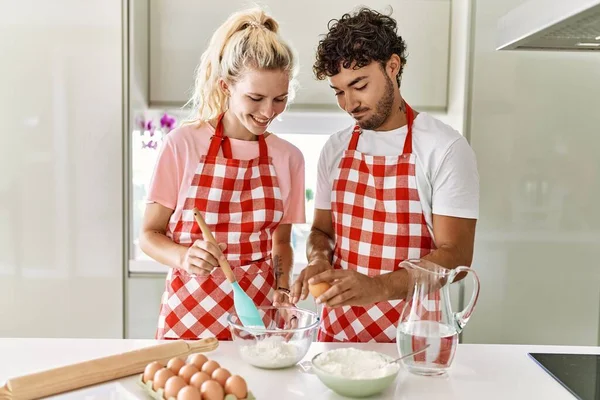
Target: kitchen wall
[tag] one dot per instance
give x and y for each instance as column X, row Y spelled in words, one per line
column 534, row 125
column 61, row 176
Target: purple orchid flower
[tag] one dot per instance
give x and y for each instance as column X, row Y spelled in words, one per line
column 150, row 145
column 149, row 125
column 167, row 122
column 140, row 123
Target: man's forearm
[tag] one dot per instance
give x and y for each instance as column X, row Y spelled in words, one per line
column 395, row 284
column 449, row 257
column 319, row 245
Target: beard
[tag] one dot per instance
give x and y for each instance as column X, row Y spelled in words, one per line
column 382, row 110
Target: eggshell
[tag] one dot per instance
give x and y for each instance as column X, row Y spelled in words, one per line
column 199, row 378
column 236, row 385
column 210, row 366
column 318, row 289
column 187, row 372
column 189, row 393
column 173, row 385
column 175, row 364
column 211, row 390
column 198, row 360
column 150, row 370
column 220, row 375
column 160, row 378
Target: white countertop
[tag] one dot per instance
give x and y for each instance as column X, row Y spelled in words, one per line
column 478, row 372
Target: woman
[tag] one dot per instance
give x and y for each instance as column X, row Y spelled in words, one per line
column 247, row 183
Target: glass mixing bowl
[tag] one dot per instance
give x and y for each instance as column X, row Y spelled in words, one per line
column 285, row 340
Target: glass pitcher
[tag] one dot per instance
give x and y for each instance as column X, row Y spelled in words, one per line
column 427, row 317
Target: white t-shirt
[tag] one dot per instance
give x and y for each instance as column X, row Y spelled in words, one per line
column 446, row 168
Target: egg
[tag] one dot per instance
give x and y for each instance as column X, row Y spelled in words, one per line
column 175, row 364
column 189, row 393
column 318, row 289
column 187, row 372
column 199, row 378
column 210, row 366
column 220, row 375
column 160, row 378
column 236, row 385
column 211, row 390
column 150, row 370
column 198, row 360
column 173, row 385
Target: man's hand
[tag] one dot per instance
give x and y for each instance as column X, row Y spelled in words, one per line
column 300, row 287
column 350, row 288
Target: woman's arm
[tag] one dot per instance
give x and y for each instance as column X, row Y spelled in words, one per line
column 199, row 259
column 283, row 255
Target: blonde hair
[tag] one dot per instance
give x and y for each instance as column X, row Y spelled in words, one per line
column 247, row 39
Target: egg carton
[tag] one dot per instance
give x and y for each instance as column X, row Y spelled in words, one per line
column 159, row 394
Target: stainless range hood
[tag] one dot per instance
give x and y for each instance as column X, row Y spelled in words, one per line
column 559, row 25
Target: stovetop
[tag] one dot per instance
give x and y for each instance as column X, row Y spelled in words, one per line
column 578, row 373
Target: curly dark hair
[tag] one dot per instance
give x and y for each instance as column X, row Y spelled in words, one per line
column 361, row 37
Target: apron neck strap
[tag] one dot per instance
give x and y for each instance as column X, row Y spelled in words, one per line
column 262, row 146
column 219, row 139
column 354, row 140
column 410, row 116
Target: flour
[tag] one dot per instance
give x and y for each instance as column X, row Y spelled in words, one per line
column 271, row 352
column 357, row 364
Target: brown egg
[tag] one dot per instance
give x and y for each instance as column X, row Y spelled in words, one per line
column 175, row 364
column 199, row 378
column 173, row 385
column 318, row 289
column 220, row 375
column 198, row 360
column 236, row 385
column 187, row 372
column 211, row 390
column 210, row 366
column 150, row 370
column 160, row 378
column 189, row 393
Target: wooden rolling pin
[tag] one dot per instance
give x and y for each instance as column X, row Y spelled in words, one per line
column 92, row 372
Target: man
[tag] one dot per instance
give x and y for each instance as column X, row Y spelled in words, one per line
column 398, row 185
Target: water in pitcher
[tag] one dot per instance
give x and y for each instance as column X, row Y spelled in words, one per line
column 441, row 338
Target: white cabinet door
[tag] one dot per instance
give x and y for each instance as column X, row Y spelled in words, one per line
column 180, row 31
column 61, row 175
column 534, row 128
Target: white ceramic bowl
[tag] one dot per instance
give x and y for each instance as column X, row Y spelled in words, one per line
column 351, row 387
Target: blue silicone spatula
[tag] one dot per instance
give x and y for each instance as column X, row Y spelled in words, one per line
column 244, row 306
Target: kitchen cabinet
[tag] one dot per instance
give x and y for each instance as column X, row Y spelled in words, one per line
column 180, row 31
column 61, row 169
column 538, row 235
column 143, row 302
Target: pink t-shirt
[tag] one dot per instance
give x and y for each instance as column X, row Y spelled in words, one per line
column 180, row 154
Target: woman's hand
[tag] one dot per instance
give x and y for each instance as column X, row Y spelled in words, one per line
column 281, row 297
column 202, row 258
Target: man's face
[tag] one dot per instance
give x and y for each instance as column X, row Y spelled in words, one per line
column 367, row 94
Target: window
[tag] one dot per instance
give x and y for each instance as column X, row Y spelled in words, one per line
column 147, row 137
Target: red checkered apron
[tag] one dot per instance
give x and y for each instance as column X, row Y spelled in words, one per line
column 378, row 222
column 241, row 203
